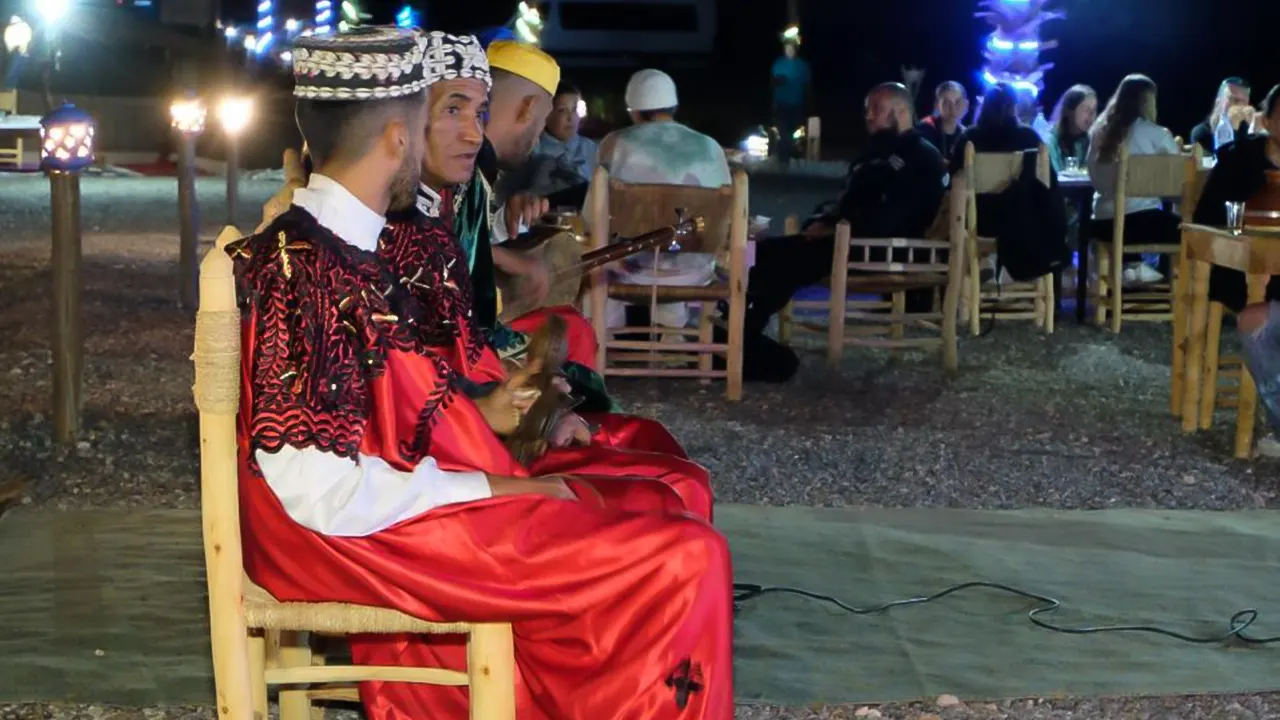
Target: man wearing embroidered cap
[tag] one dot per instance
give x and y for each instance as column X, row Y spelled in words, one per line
column 367, row 478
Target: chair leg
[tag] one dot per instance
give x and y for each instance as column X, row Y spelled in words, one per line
column 837, row 304
column 784, row 324
column 1037, row 303
column 295, row 651
column 975, row 296
column 1117, row 291
column 1209, row 386
column 733, row 361
column 491, row 672
column 319, row 656
column 706, row 313
column 257, row 675
column 1101, row 300
column 899, row 329
column 1181, row 307
column 1051, row 297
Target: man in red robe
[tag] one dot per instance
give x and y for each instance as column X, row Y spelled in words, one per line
column 366, row 477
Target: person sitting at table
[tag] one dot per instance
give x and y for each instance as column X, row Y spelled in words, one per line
column 1230, row 118
column 944, row 126
column 1068, row 139
column 1130, row 119
column 1239, row 174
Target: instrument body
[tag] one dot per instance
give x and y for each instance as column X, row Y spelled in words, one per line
column 548, row 349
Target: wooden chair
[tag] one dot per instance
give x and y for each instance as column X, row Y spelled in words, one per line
column 13, row 155
column 991, row 174
column 631, row 209
column 257, row 640
column 1196, row 176
column 893, row 266
column 1161, row 176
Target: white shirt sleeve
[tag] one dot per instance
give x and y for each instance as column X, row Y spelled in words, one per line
column 338, row 496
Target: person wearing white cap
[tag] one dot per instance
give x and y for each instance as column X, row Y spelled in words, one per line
column 656, row 149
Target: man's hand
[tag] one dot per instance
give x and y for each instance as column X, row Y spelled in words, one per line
column 818, row 229
column 294, row 177
column 571, row 430
column 550, row 486
column 1240, row 114
column 524, row 209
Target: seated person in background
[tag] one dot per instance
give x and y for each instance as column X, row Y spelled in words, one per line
column 894, row 189
column 1130, row 119
column 562, row 161
column 943, row 128
column 1069, row 136
column 1229, row 119
column 656, row 149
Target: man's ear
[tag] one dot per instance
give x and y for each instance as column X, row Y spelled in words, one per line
column 524, row 112
column 395, row 137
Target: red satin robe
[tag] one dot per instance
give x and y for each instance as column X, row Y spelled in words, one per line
column 423, row 254
column 619, row 602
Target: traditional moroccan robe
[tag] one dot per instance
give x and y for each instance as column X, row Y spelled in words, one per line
column 479, row 226
column 362, row 480
column 421, row 252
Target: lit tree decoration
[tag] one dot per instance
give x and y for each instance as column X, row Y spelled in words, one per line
column 1013, row 50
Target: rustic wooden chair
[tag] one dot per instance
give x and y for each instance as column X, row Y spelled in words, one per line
column 1196, row 176
column 257, row 640
column 991, row 174
column 13, row 154
column 631, row 209
column 894, row 267
column 1161, row 176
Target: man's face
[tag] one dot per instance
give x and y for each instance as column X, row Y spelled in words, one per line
column 885, row 113
column 455, row 130
column 952, row 106
column 515, row 123
column 404, row 184
column 563, row 121
column 1237, row 95
column 1085, row 114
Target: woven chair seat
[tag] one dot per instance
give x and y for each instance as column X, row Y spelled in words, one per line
column 261, row 610
column 718, row 290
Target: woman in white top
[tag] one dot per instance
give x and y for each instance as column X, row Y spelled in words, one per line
column 1130, row 119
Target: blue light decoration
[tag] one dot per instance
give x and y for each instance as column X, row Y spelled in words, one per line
column 324, row 17
column 266, row 26
column 67, row 139
column 1013, row 50
column 407, row 17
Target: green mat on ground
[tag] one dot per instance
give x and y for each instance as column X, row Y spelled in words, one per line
column 109, row 607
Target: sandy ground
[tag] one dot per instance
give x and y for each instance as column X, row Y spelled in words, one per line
column 1078, row 420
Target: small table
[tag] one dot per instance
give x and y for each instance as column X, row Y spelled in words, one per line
column 1078, row 188
column 1254, row 252
column 18, row 125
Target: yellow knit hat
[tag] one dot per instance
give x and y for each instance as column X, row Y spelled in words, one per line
column 527, row 61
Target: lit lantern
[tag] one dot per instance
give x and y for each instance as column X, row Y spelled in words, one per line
column 17, row 36
column 234, row 114
column 66, row 139
column 188, row 116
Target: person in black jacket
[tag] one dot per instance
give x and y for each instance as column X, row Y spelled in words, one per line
column 1239, row 173
column 944, row 126
column 893, row 189
column 1232, row 100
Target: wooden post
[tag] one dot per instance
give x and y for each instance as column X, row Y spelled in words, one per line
column 491, row 672
column 188, row 223
column 598, row 216
column 233, row 177
column 68, row 343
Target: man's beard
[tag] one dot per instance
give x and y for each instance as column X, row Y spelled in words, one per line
column 404, row 184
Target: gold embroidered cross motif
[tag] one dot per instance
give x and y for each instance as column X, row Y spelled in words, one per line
column 415, row 281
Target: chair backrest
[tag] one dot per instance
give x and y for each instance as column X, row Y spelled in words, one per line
column 636, row 208
column 9, row 101
column 217, row 396
column 1159, row 176
column 991, row 173
column 1195, row 178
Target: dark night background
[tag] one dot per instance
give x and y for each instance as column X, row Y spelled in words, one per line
column 1187, row 46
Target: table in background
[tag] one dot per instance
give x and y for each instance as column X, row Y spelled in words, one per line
column 1256, row 254
column 1078, row 188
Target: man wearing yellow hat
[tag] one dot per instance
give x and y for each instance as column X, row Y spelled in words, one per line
column 524, row 81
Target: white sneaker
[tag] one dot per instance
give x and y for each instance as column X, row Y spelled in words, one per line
column 1268, row 446
column 1141, row 274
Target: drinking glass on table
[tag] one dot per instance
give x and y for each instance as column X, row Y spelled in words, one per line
column 1071, row 164
column 1235, row 217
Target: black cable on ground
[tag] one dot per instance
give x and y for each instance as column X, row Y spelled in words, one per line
column 1239, row 622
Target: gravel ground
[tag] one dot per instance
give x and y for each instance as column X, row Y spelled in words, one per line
column 1076, row 420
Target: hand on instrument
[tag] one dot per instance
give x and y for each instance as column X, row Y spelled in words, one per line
column 294, row 177
column 504, row 408
column 524, row 209
column 571, row 430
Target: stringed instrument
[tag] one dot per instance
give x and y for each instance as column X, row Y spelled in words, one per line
column 548, row 349
column 568, row 266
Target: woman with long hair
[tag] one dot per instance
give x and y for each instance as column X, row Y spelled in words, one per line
column 996, row 128
column 1075, row 113
column 1129, row 120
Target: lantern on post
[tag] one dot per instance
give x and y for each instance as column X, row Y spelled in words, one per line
column 234, row 114
column 66, row 149
column 188, row 117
